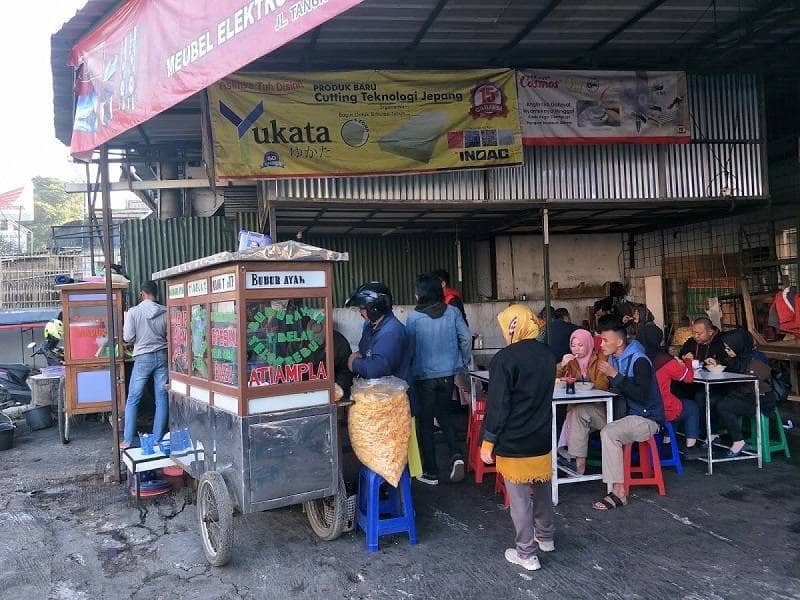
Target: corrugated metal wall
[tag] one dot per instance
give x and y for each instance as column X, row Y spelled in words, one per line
column 152, row 245
column 727, row 152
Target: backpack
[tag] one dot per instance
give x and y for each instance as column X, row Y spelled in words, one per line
column 781, row 386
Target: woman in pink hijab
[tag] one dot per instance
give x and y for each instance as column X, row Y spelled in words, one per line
column 581, row 363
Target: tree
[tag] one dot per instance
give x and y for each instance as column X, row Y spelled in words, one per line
column 52, row 206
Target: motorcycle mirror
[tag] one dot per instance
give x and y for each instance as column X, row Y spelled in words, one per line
column 32, row 345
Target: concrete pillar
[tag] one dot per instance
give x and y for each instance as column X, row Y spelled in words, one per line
column 169, row 200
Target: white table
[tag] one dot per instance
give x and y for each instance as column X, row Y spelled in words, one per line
column 560, row 397
column 707, row 378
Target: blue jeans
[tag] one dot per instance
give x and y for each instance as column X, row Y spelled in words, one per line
column 689, row 419
column 144, row 365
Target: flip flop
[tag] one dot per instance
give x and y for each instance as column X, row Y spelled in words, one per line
column 609, row 502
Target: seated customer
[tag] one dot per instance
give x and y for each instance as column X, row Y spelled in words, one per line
column 684, row 413
column 583, row 360
column 704, row 343
column 582, row 363
column 739, row 400
column 632, row 377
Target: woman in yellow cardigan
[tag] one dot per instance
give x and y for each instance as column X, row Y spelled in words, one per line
column 517, row 429
column 581, row 363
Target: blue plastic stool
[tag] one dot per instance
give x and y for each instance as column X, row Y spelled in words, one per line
column 378, row 517
column 674, row 460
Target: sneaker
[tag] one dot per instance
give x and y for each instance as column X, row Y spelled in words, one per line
column 531, row 563
column 693, row 452
column 545, row 546
column 457, row 471
column 428, row 479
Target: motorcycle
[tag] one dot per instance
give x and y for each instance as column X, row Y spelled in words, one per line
column 14, row 383
column 50, row 350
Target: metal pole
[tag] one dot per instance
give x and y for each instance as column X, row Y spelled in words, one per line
column 90, row 220
column 546, row 258
column 108, row 249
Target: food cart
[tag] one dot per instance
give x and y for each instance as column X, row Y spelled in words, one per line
column 87, row 354
column 252, row 410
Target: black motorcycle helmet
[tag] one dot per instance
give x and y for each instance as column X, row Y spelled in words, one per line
column 374, row 297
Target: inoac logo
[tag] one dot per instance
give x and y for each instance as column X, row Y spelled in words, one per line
column 242, row 125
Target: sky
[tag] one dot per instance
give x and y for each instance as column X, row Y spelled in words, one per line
column 29, row 145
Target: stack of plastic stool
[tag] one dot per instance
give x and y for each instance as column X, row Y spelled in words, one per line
column 474, row 462
column 649, row 466
column 500, row 488
column 378, row 517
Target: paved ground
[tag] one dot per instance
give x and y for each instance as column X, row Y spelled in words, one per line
column 66, row 535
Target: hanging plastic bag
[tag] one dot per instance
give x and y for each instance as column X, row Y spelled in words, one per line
column 414, row 457
column 379, row 423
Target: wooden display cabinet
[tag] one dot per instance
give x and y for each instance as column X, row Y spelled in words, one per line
column 87, row 353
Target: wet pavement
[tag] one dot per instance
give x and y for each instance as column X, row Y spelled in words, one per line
column 67, row 535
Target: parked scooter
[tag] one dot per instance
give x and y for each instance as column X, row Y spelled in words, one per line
column 14, row 383
column 50, row 350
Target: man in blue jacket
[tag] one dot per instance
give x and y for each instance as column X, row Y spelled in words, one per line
column 383, row 349
column 632, row 376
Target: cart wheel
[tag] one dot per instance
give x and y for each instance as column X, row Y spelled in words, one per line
column 328, row 516
column 63, row 419
column 215, row 512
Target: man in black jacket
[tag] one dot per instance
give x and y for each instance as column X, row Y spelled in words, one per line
column 705, row 342
column 632, row 376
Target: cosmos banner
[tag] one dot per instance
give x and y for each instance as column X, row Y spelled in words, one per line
column 363, row 122
column 603, row 107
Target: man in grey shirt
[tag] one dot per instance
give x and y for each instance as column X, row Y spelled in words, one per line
column 146, row 328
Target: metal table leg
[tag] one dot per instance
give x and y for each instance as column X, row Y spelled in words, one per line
column 609, row 419
column 709, row 442
column 554, row 456
column 758, row 423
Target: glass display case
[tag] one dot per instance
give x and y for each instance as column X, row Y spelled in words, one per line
column 88, row 351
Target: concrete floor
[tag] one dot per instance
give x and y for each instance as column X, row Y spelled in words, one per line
column 66, row 535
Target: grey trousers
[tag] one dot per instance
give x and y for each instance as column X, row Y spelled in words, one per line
column 532, row 514
column 592, row 417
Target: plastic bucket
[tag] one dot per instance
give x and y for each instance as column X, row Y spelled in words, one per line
column 6, row 433
column 39, row 418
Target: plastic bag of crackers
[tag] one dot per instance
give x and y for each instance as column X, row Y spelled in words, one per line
column 379, row 423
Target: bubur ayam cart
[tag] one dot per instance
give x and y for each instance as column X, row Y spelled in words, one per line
column 251, row 395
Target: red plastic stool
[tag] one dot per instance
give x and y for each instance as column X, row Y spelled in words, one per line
column 474, row 462
column 649, row 466
column 500, row 488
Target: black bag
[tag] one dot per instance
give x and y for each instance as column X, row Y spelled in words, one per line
column 779, row 392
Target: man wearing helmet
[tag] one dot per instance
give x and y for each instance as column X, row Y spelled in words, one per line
column 383, row 349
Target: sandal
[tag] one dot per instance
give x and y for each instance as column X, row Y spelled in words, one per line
column 609, row 502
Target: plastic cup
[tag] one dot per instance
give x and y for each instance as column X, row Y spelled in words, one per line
column 147, row 441
column 164, row 445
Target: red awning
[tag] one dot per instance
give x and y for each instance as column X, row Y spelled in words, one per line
column 148, row 56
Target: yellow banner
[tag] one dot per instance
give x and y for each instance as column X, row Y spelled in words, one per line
column 273, row 125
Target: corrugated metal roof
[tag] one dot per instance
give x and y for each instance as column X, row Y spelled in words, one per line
column 436, row 34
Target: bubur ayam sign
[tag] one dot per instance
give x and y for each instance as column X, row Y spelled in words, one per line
column 285, row 343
